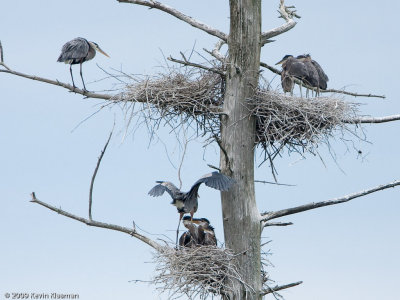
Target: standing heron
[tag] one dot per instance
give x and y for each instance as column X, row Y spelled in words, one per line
column 206, row 232
column 190, row 238
column 317, row 71
column 78, row 51
column 200, row 235
column 187, row 202
column 292, row 68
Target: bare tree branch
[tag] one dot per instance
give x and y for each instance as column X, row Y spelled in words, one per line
column 129, row 231
column 276, row 224
column 279, row 287
column 95, row 173
column 172, row 11
column 302, row 83
column 188, row 63
column 58, row 83
column 215, row 52
column 287, row 14
column 373, row 119
column 294, row 210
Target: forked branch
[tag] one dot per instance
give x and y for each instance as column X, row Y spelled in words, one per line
column 287, row 13
column 294, row 210
column 176, row 13
column 130, row 231
column 279, row 287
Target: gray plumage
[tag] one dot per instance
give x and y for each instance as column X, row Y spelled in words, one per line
column 187, row 202
column 189, row 238
column 78, row 51
column 323, row 78
column 201, row 235
column 317, row 71
column 295, row 68
column 206, row 232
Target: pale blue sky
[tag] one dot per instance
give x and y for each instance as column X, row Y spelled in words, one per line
column 345, row 252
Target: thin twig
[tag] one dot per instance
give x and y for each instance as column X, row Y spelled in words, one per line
column 1, row 53
column 188, row 63
column 88, row 222
column 276, row 183
column 214, row 167
column 294, row 210
column 95, row 173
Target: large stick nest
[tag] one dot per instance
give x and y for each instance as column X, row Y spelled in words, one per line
column 189, row 94
column 201, row 271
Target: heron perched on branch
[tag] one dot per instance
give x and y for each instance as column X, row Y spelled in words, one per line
column 187, row 202
column 322, row 77
column 78, row 51
column 297, row 67
column 202, row 234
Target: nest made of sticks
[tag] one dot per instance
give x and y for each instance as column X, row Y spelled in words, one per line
column 296, row 122
column 181, row 96
column 195, row 272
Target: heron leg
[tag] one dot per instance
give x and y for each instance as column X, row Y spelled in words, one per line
column 177, row 230
column 301, row 93
column 84, row 87
column 72, row 77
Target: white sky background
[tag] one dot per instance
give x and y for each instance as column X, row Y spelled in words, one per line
column 348, row 251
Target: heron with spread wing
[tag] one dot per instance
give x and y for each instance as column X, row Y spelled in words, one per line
column 78, row 51
column 188, row 202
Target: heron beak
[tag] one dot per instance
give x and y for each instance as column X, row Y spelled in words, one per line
column 279, row 62
column 102, row 52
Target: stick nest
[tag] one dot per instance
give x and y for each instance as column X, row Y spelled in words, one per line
column 189, row 96
column 195, row 272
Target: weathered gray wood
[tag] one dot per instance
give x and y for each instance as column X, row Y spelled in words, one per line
column 242, row 226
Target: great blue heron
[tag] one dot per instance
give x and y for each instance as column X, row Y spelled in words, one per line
column 294, row 68
column 187, row 202
column 206, row 232
column 78, row 51
column 189, row 238
column 203, row 234
column 316, row 69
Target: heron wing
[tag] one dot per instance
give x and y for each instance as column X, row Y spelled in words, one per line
column 323, row 78
column 164, row 186
column 76, row 49
column 216, row 181
column 297, row 69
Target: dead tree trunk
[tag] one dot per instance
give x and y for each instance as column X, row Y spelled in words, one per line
column 240, row 214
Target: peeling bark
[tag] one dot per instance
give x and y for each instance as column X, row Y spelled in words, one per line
column 242, row 227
